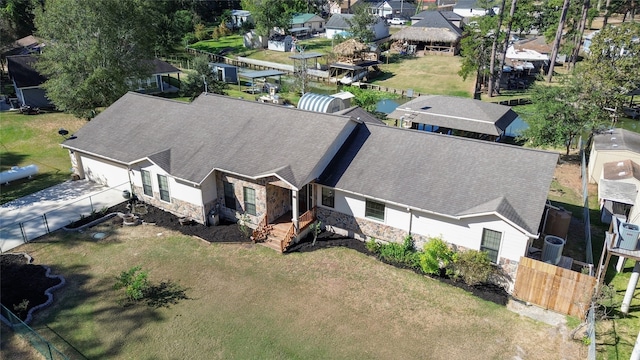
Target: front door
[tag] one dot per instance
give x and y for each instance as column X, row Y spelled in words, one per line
column 305, row 197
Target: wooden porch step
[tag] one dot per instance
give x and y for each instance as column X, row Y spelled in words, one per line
column 275, row 245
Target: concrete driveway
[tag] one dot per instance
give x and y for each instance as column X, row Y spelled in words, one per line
column 32, row 216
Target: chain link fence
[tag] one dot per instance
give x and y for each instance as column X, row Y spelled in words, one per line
column 23, row 330
column 591, row 320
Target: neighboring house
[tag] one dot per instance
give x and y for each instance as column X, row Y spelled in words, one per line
column 393, row 8
column 431, row 33
column 456, row 116
column 24, row 46
column 450, row 16
column 205, row 159
column 27, row 81
column 239, row 18
column 618, row 191
column 531, row 54
column 610, row 146
column 312, row 22
column 339, row 24
column 471, row 8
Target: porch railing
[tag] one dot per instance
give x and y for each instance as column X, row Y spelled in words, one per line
column 303, row 222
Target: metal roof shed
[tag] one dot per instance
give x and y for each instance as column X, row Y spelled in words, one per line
column 320, row 103
column 225, row 72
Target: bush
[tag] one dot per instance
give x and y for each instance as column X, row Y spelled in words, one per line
column 373, row 246
column 400, row 253
column 435, row 257
column 134, row 282
column 473, row 266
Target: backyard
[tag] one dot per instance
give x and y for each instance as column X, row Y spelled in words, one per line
column 247, row 301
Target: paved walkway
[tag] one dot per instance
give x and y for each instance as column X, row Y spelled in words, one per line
column 50, row 209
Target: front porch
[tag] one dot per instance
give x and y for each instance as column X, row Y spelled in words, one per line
column 282, row 232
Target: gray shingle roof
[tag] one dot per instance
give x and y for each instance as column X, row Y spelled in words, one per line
column 436, row 20
column 617, row 139
column 22, row 71
column 339, row 21
column 457, row 113
column 356, row 112
column 448, row 175
column 213, row 132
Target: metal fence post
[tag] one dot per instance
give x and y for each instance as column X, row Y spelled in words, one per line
column 46, row 224
column 24, row 234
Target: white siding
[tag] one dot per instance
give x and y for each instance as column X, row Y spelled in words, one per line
column 103, row 172
column 466, row 233
column 177, row 190
column 600, row 157
column 209, row 189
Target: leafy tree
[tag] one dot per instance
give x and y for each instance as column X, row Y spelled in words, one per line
column 475, row 49
column 610, row 71
column 561, row 113
column 270, row 14
column 95, row 49
column 361, row 23
column 16, row 19
column 194, row 85
column 200, row 31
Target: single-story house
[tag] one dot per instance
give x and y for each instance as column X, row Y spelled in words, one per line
column 339, row 24
column 432, row 33
column 450, row 16
column 312, row 22
column 609, row 146
column 530, row 54
column 618, row 191
column 27, row 81
column 23, row 46
column 456, row 116
column 205, row 159
column 471, row 8
column 393, row 8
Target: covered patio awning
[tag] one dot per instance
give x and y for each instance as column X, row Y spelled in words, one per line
column 618, row 191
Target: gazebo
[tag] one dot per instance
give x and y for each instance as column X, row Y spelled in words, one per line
column 351, row 51
column 433, row 34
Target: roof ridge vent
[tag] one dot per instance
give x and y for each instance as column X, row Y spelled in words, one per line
column 620, row 163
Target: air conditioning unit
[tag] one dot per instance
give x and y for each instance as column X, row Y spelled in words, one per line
column 628, row 236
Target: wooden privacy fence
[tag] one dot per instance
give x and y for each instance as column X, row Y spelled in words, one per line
column 555, row 288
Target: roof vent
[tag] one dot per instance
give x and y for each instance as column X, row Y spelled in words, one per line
column 620, row 163
column 622, row 173
column 613, row 138
column 614, row 145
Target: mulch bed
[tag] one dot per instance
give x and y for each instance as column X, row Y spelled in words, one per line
column 25, row 281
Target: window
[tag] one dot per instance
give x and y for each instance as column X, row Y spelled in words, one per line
column 163, row 184
column 229, row 195
column 250, row 201
column 374, row 210
column 328, row 198
column 491, row 243
column 146, row 183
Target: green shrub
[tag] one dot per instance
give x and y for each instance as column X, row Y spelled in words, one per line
column 473, row 266
column 134, row 282
column 400, row 253
column 436, row 256
column 373, row 246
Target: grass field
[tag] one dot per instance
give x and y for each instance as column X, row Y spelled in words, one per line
column 248, row 302
column 34, row 139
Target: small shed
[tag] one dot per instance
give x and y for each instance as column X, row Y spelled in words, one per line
column 280, row 43
column 225, row 72
column 320, row 103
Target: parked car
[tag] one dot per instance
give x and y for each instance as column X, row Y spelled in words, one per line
column 397, row 21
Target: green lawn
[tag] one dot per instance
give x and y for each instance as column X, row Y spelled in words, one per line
column 248, row 302
column 34, row 139
column 233, row 43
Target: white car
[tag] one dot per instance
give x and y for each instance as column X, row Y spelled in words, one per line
column 397, row 21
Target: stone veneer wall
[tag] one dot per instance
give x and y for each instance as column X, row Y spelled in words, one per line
column 358, row 228
column 278, row 202
column 238, row 184
column 176, row 206
column 363, row 229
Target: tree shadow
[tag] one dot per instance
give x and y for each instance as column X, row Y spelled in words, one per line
column 165, row 294
column 10, row 159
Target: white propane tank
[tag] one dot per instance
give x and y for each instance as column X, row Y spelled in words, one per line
column 16, row 173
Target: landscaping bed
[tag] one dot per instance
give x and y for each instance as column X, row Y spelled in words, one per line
column 22, row 281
